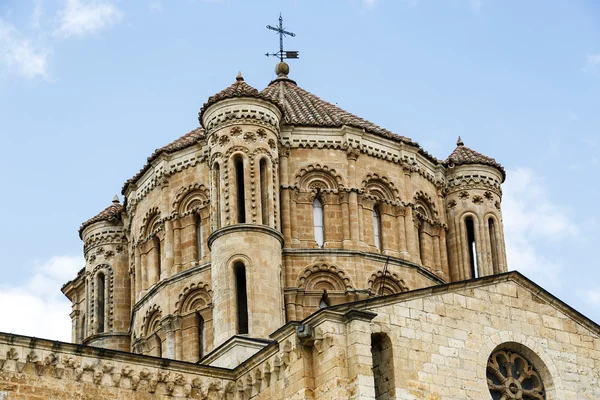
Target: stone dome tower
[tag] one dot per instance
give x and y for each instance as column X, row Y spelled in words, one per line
column 242, row 132
column 475, row 231
column 106, row 293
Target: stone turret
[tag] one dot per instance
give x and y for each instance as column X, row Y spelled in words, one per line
column 104, row 313
column 242, row 130
column 475, row 231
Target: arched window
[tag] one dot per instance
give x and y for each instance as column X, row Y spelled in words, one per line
column 100, row 298
column 318, row 221
column 238, row 163
column 199, row 237
column 217, row 196
column 494, row 245
column 157, row 255
column 264, row 192
column 470, row 227
column 383, row 366
column 377, row 227
column 241, row 298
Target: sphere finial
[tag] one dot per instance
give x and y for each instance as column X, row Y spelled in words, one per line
column 282, row 70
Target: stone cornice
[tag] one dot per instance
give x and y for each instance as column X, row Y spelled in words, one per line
column 244, row 228
column 382, row 258
column 165, row 282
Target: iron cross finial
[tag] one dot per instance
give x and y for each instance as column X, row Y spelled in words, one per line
column 282, row 32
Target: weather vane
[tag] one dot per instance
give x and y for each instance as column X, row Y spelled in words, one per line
column 281, row 53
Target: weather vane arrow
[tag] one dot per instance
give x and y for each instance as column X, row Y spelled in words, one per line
column 282, row 32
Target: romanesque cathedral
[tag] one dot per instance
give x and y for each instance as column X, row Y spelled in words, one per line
column 287, row 249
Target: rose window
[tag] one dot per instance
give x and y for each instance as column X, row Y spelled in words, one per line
column 512, row 376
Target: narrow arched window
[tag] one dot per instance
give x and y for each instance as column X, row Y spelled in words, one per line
column 217, row 196
column 318, row 221
column 264, row 192
column 494, row 245
column 241, row 298
column 377, row 227
column 157, row 255
column 240, row 189
column 199, row 237
column 470, row 227
column 100, row 299
column 383, row 366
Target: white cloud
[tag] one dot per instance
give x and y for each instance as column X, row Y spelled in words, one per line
column 38, row 308
column 532, row 221
column 19, row 55
column 36, row 16
column 80, row 18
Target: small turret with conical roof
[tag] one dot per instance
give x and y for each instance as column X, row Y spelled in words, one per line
column 104, row 320
column 242, row 129
column 473, row 196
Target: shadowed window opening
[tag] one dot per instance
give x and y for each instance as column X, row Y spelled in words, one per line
column 494, row 245
column 100, row 287
column 264, row 192
column 156, row 241
column 383, row 366
column 324, row 302
column 217, row 178
column 472, row 247
column 241, row 298
column 239, row 181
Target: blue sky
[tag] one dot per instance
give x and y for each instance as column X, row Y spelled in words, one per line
column 88, row 89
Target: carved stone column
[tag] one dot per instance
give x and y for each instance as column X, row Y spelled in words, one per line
column 177, row 245
column 344, row 199
column 170, row 325
column 353, row 211
column 411, row 242
column 293, row 218
column 401, row 235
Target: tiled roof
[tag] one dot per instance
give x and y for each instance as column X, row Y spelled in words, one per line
column 185, row 141
column 464, row 155
column 238, row 89
column 110, row 213
column 300, row 107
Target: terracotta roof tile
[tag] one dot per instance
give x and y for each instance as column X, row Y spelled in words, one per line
column 110, row 213
column 298, row 106
column 464, row 155
column 303, row 108
column 238, row 89
column 185, row 141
